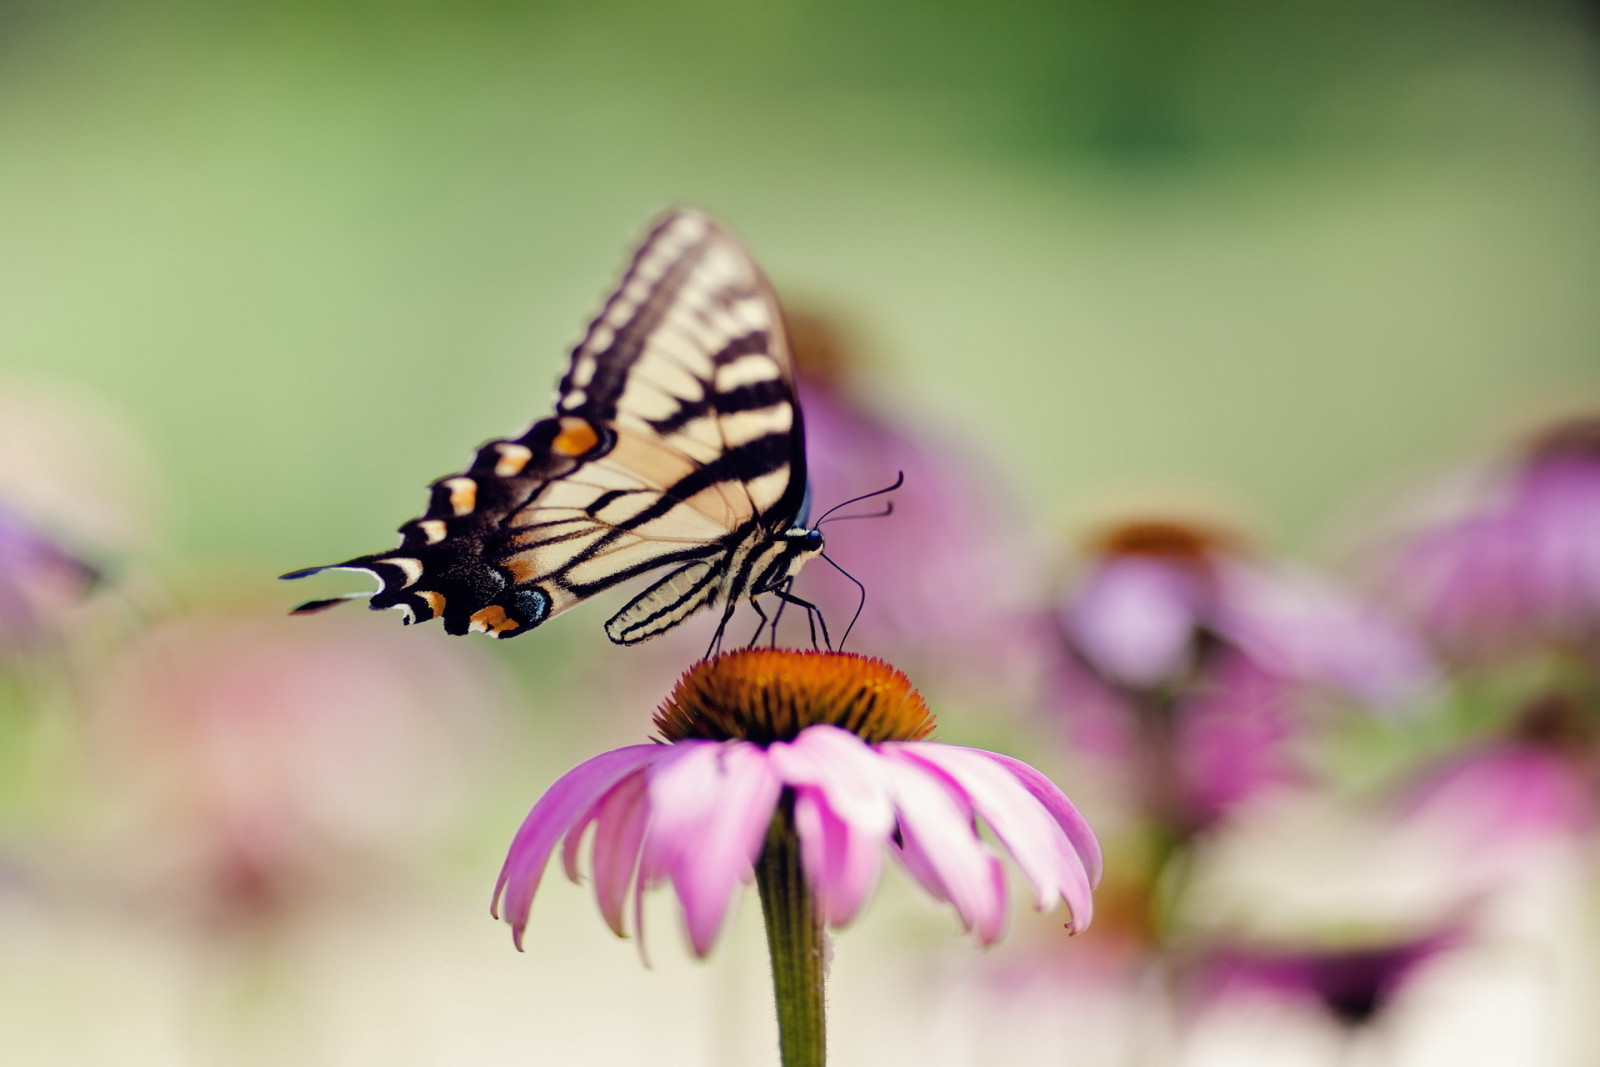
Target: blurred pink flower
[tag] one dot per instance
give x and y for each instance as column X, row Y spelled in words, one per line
column 1541, row 780
column 1516, row 564
column 1159, row 596
column 1193, row 661
column 696, row 811
column 264, row 760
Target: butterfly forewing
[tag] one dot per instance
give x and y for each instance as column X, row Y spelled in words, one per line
column 676, row 440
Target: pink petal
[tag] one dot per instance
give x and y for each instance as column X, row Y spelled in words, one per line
column 711, row 819
column 1061, row 809
column 683, row 793
column 842, row 814
column 941, row 848
column 574, row 839
column 1026, row 828
column 1294, row 623
column 571, row 796
column 841, row 865
column 1134, row 619
column 618, row 833
column 659, row 851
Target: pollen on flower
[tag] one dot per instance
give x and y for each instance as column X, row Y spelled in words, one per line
column 1164, row 538
column 767, row 695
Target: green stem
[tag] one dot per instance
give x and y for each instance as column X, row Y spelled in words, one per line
column 794, row 941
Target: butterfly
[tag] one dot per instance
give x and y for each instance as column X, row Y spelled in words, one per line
column 677, row 441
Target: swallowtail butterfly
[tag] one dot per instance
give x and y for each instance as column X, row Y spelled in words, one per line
column 676, row 441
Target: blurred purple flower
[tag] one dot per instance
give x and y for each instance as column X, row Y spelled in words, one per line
column 1516, row 565
column 1160, row 596
column 40, row 581
column 696, row 811
column 1194, row 660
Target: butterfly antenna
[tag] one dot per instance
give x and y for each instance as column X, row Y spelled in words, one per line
column 888, row 509
column 860, row 604
column 899, row 480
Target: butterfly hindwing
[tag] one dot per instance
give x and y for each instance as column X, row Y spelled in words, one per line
column 677, row 440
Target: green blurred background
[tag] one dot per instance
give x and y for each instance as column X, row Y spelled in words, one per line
column 317, row 253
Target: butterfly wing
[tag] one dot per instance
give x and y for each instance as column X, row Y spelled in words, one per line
column 676, row 439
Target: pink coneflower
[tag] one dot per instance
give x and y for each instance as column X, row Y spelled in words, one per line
column 801, row 769
column 1516, row 566
column 1158, row 597
column 1195, row 659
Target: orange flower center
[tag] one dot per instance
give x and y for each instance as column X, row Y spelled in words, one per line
column 1163, row 538
column 767, row 695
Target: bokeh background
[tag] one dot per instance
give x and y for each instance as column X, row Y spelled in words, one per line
column 268, row 269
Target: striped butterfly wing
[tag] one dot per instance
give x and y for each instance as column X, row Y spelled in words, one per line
column 676, row 440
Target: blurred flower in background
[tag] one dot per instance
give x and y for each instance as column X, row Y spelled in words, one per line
column 1200, row 663
column 1512, row 566
column 1500, row 796
column 255, row 765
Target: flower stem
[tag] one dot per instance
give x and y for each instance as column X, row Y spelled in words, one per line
column 794, row 941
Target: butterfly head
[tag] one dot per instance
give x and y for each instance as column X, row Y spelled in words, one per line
column 803, row 540
column 785, row 555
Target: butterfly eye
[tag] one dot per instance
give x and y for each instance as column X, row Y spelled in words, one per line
column 807, row 540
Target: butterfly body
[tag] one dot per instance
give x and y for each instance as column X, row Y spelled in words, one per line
column 677, row 442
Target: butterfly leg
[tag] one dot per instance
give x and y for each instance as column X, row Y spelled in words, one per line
column 716, row 639
column 813, row 616
column 777, row 616
column 762, row 625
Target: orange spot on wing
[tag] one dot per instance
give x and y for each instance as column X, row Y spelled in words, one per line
column 576, row 437
column 435, row 600
column 521, row 568
column 463, row 495
column 513, row 457
column 493, row 620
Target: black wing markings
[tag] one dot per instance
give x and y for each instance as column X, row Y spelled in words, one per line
column 690, row 304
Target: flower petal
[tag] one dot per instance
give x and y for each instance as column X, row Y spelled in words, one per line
column 619, row 831
column 843, row 815
column 573, row 794
column 683, row 792
column 1134, row 619
column 711, row 817
column 1061, row 809
column 1026, row 828
column 1294, row 623
column 942, row 849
